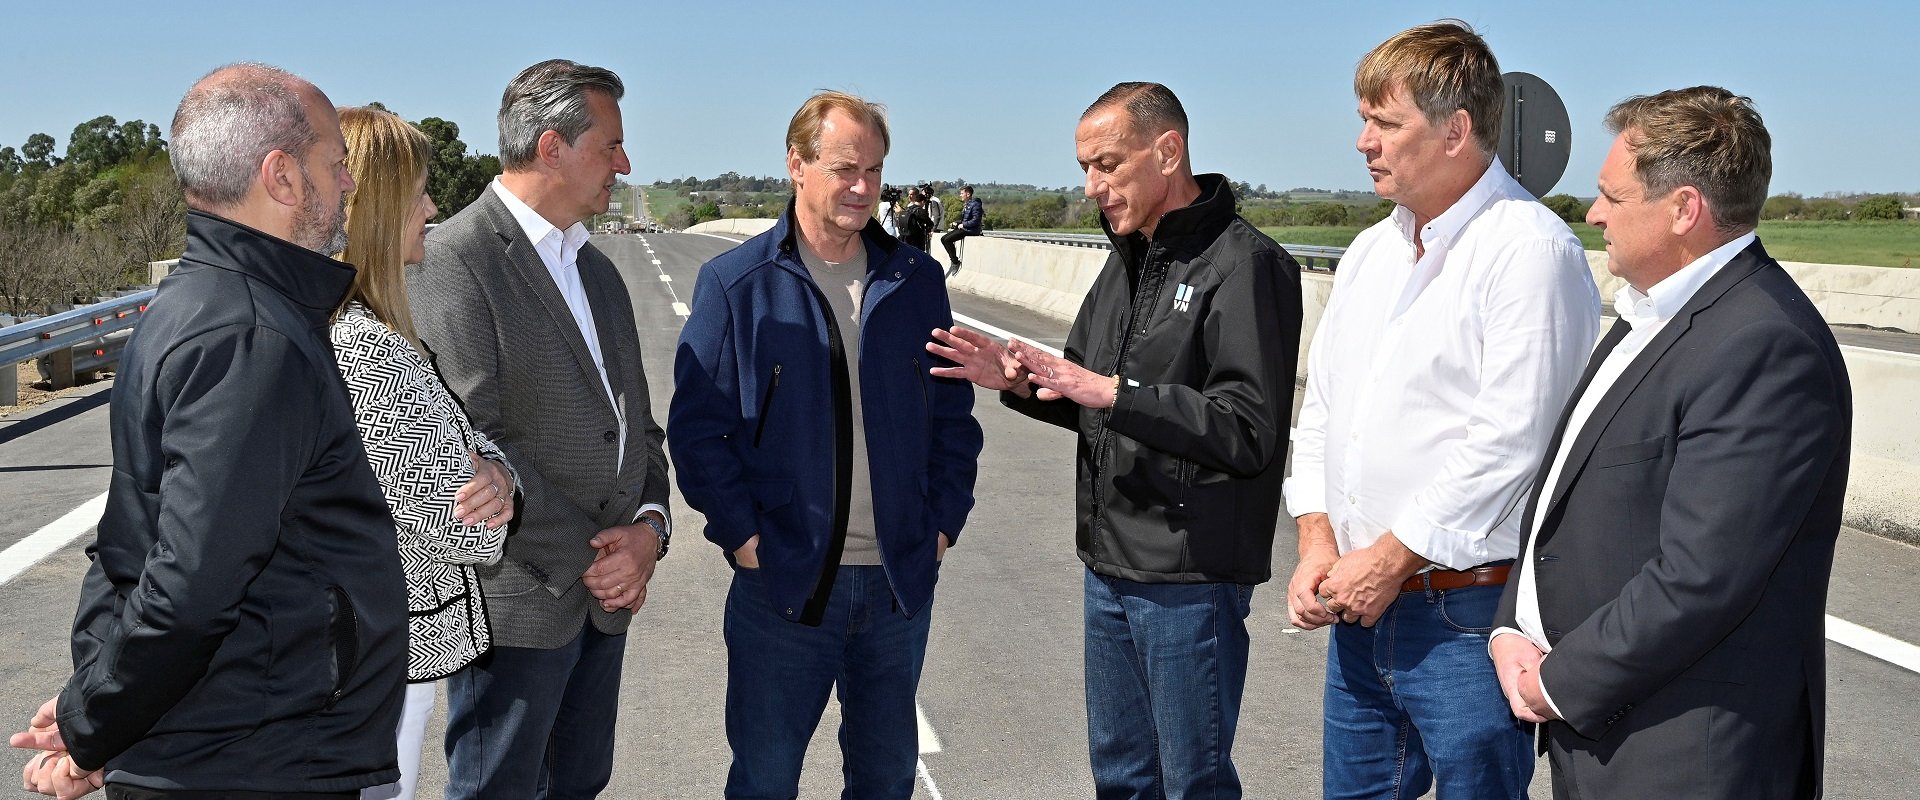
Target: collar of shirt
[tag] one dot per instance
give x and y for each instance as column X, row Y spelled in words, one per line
column 1665, row 299
column 1442, row 230
column 557, row 248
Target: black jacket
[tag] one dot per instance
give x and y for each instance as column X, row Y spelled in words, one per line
column 1180, row 481
column 244, row 623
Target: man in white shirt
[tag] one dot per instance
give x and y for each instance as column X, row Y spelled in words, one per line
column 1666, row 623
column 533, row 329
column 1455, row 328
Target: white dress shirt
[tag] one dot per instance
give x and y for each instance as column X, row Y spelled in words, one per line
column 560, row 251
column 1646, row 314
column 1434, row 381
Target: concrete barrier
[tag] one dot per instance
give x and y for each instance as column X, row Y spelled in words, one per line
column 1052, row 279
column 1874, row 297
column 738, row 227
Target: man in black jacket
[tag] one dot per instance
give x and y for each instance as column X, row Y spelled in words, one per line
column 243, row 625
column 1178, row 376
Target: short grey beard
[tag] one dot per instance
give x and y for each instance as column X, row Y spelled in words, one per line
column 311, row 227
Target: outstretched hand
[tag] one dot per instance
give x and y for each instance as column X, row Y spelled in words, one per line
column 982, row 361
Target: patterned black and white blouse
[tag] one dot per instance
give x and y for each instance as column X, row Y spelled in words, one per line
column 417, row 440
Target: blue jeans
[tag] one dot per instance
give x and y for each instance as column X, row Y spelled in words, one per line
column 779, row 673
column 1414, row 700
column 1166, row 665
column 527, row 723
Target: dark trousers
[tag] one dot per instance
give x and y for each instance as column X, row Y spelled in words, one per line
column 525, row 723
column 952, row 238
column 117, row 791
column 779, row 674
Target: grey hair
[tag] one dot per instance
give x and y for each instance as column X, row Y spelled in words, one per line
column 549, row 96
column 228, row 123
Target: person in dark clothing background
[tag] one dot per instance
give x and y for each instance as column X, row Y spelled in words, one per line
column 1178, row 376
column 972, row 214
column 243, row 624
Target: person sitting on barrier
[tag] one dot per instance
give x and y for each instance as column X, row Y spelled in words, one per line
column 448, row 486
column 971, row 216
column 242, row 628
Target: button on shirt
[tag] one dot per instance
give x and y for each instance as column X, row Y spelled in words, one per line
column 560, row 251
column 1434, row 380
column 1646, row 314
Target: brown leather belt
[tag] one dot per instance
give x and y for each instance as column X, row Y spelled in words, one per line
column 1442, row 580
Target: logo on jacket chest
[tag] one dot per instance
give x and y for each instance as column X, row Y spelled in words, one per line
column 1182, row 297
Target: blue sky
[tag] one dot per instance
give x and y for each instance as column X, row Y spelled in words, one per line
column 988, row 90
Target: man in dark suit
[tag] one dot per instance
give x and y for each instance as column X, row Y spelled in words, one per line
column 533, row 330
column 1666, row 624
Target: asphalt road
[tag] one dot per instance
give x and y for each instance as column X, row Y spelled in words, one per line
column 1002, row 691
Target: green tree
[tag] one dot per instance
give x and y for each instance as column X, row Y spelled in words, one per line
column 1880, row 206
column 1826, row 208
column 704, row 212
column 1565, row 206
column 38, row 151
column 454, row 178
column 10, row 162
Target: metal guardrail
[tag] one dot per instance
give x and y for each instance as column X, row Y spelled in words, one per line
column 75, row 341
column 1311, row 256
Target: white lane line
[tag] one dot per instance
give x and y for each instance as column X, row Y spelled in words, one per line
column 656, row 262
column 920, row 768
column 1874, row 643
column 716, row 236
column 665, row 278
column 929, row 741
column 1002, row 333
column 681, row 309
column 44, row 542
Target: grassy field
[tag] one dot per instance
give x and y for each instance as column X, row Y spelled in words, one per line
column 1871, row 244
column 662, row 202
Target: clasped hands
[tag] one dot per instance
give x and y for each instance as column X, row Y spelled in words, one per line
column 623, row 561
column 1517, row 663
column 1017, row 365
column 52, row 771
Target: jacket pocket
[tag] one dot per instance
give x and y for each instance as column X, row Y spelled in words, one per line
column 766, row 405
column 1622, row 455
column 343, row 639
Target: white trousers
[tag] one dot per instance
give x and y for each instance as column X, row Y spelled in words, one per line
column 411, row 736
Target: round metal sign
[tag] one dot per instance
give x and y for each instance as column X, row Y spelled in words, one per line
column 1534, row 136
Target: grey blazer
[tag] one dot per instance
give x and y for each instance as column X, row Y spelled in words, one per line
column 501, row 335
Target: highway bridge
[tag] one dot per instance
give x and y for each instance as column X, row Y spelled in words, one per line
column 1001, row 699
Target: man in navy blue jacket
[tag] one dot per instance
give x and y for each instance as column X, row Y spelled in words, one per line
column 972, row 214
column 834, row 470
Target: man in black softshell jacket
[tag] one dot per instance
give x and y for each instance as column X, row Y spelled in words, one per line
column 1178, row 376
column 243, row 625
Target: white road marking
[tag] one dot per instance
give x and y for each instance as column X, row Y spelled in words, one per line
column 1002, row 333
column 920, row 768
column 656, row 262
column 929, row 741
column 55, row 535
column 681, row 309
column 1874, row 643
column 716, row 236
column 665, row 278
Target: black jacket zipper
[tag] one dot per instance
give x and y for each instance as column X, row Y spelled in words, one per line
column 766, row 404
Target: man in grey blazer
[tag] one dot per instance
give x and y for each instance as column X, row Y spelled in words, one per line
column 533, row 330
column 1666, row 622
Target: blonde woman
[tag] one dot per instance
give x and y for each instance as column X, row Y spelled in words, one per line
column 447, row 485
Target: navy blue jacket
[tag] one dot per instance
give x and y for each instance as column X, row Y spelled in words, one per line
column 759, row 426
column 972, row 215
